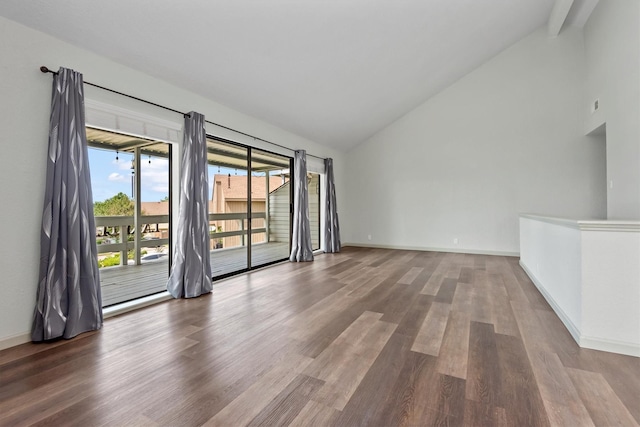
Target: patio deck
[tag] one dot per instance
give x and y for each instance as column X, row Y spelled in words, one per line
column 124, row 283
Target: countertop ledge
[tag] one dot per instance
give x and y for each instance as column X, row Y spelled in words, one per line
column 588, row 225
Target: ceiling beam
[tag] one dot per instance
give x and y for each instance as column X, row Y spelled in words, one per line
column 558, row 15
column 144, row 150
column 580, row 12
column 225, row 153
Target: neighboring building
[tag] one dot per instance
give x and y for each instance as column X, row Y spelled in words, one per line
column 158, row 230
column 229, row 195
column 279, row 217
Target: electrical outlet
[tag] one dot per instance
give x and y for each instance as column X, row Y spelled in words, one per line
column 455, row 241
column 369, row 237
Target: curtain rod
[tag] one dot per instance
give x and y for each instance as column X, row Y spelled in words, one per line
column 44, row 69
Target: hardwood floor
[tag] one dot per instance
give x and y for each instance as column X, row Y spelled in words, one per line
column 367, row 337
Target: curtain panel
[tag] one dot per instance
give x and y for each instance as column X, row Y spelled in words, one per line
column 301, row 245
column 332, row 226
column 191, row 269
column 69, row 300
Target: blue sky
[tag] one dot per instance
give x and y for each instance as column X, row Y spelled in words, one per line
column 110, row 176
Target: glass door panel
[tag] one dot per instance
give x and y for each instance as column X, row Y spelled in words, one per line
column 228, row 207
column 131, row 210
column 153, row 244
column 270, row 207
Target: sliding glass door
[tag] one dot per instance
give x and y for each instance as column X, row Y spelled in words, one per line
column 228, row 208
column 131, row 192
column 249, row 208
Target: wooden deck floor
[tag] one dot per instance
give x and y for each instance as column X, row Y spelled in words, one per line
column 367, row 337
column 128, row 282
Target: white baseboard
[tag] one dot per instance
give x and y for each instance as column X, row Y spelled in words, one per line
column 571, row 327
column 593, row 343
column 15, row 340
column 115, row 310
column 611, row 346
column 431, row 249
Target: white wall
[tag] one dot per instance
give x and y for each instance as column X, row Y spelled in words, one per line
column 507, row 138
column 24, row 116
column 612, row 42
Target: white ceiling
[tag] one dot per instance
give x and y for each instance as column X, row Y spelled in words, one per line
column 333, row 71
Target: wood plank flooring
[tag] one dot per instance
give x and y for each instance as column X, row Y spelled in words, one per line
column 367, row 337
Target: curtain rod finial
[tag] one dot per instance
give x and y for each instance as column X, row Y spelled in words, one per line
column 44, row 69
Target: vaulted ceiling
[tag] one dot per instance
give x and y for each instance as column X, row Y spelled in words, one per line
column 333, row 71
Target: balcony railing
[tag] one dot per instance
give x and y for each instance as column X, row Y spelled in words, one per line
column 125, row 223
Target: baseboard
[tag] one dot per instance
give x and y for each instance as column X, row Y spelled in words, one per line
column 107, row 312
column 431, row 249
column 612, row 346
column 593, row 343
column 15, row 340
column 571, row 327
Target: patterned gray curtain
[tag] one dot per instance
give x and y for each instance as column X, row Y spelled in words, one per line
column 69, row 301
column 191, row 270
column 301, row 247
column 332, row 226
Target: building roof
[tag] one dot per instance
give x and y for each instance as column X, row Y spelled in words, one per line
column 155, row 208
column 234, row 187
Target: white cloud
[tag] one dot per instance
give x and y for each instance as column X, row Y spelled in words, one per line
column 123, row 162
column 160, row 189
column 124, row 165
column 157, row 163
column 155, row 176
column 115, row 177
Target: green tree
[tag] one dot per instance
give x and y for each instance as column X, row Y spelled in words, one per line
column 120, row 205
